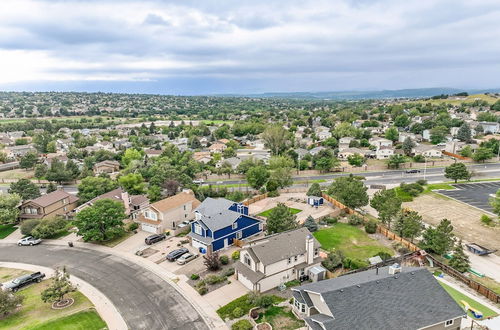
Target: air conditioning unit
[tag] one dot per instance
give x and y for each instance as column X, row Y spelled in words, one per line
column 394, row 269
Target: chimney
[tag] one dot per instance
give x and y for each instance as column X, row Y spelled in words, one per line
column 126, row 202
column 309, row 249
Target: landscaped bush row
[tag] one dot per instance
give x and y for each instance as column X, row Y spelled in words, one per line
column 46, row 228
column 245, row 303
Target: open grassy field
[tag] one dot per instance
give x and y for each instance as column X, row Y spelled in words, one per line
column 217, row 122
column 34, row 313
column 6, row 230
column 468, row 99
column 266, row 213
column 17, row 174
column 458, row 296
column 351, row 240
column 84, row 320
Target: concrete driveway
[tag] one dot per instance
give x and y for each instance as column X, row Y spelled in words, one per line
column 143, row 299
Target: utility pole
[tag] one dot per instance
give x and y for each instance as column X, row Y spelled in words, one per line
column 425, row 166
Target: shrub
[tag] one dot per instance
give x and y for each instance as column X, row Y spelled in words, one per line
column 419, row 158
column 212, row 261
column 355, row 220
column 229, row 272
column 133, row 226
column 486, row 219
column 333, row 260
column 27, row 226
column 371, row 227
column 236, row 196
column 265, row 301
column 331, row 220
column 224, row 260
column 242, row 325
column 49, row 227
column 400, row 248
column 195, row 277
column 414, row 189
column 353, row 263
column 237, row 313
column 383, row 255
column 235, row 255
column 214, row 279
column 273, row 193
column 202, row 290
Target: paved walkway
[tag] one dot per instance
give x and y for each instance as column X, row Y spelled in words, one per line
column 102, row 304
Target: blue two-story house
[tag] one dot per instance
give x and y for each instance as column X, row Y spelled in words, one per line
column 218, row 222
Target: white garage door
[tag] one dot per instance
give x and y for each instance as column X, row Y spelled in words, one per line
column 149, row 228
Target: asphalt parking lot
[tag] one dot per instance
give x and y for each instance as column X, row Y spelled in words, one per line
column 475, row 194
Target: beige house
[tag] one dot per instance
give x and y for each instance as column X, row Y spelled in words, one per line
column 106, row 166
column 217, row 148
column 171, row 214
column 269, row 262
column 56, row 203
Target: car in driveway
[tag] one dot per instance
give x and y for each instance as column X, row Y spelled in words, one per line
column 154, row 238
column 186, row 257
column 30, row 240
column 412, row 171
column 176, row 254
column 22, row 281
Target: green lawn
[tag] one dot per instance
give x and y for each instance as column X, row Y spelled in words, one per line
column 84, row 320
column 436, row 186
column 117, row 240
column 351, row 240
column 6, row 230
column 457, row 296
column 241, row 302
column 403, row 195
column 280, row 318
column 267, row 212
column 34, row 312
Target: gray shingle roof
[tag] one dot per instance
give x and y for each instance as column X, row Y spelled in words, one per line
column 274, row 248
column 410, row 300
column 212, row 205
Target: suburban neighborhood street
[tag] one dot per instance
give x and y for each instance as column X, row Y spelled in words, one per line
column 143, row 299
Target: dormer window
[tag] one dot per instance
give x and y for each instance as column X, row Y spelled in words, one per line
column 235, row 225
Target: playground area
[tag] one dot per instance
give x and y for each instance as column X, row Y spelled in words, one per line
column 296, row 201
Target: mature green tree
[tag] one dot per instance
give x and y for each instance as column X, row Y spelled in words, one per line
column 154, row 193
column 3, row 157
column 41, row 141
column 9, row 302
column 277, row 162
column 49, row 227
column 133, row 183
column 59, row 288
column 482, row 154
column 325, row 161
column 29, row 160
column 392, row 134
column 25, row 188
column 9, row 208
column 257, row 176
column 40, row 171
column 466, row 151
column 91, row 187
column 350, row 191
column 356, row 160
column 408, row 146
column 315, row 190
column 440, row 239
column 57, row 172
column 101, row 221
column 311, row 224
column 460, row 260
column 276, row 139
column 247, row 164
column 387, row 204
column 51, row 187
column 229, row 152
column 438, row 134
column 333, row 261
column 395, row 161
column 131, row 155
column 51, row 147
column 282, row 176
column 457, row 171
column 72, row 169
column 464, row 133
column 280, row 219
column 402, row 121
column 408, row 224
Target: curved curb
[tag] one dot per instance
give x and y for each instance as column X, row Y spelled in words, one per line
column 102, row 304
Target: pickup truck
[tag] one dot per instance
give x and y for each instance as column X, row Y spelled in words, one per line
column 22, row 281
column 30, row 240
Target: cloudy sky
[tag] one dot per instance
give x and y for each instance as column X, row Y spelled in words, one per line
column 228, row 46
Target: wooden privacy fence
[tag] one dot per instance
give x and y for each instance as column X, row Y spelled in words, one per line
column 478, row 287
column 455, row 155
column 255, row 199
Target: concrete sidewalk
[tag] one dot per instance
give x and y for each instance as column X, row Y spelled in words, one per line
column 206, row 311
column 102, row 304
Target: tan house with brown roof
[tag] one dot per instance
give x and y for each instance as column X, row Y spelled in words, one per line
column 217, row 148
column 57, row 203
column 171, row 214
column 106, row 166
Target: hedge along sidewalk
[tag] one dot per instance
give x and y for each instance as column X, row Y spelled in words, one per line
column 102, row 304
column 205, row 310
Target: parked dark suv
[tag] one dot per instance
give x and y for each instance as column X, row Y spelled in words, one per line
column 22, row 281
column 176, row 254
column 154, row 238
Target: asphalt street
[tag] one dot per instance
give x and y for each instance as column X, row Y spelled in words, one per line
column 475, row 194
column 143, row 299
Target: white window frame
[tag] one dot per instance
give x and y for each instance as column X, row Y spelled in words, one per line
column 449, row 323
column 239, row 235
column 234, row 225
column 151, row 215
column 198, row 230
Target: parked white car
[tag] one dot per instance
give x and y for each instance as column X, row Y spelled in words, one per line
column 186, row 257
column 30, row 240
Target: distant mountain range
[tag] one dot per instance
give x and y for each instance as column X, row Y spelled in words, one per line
column 359, row 95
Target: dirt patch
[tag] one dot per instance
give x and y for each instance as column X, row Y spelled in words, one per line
column 148, row 252
column 465, row 219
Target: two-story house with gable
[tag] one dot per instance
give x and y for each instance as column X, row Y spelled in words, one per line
column 56, row 203
column 218, row 222
column 271, row 261
column 386, row 298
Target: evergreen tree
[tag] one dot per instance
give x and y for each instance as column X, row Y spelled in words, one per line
column 314, row 190
column 25, row 188
column 280, row 219
column 408, row 224
column 408, row 146
column 464, row 133
column 440, row 239
column 311, row 224
column 456, row 172
column 460, row 260
column 387, row 204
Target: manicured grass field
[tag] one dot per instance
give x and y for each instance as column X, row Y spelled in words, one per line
column 267, row 212
column 84, row 320
column 117, row 240
column 436, row 186
column 457, row 296
column 243, row 303
column 351, row 240
column 280, row 318
column 35, row 313
column 6, row 230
